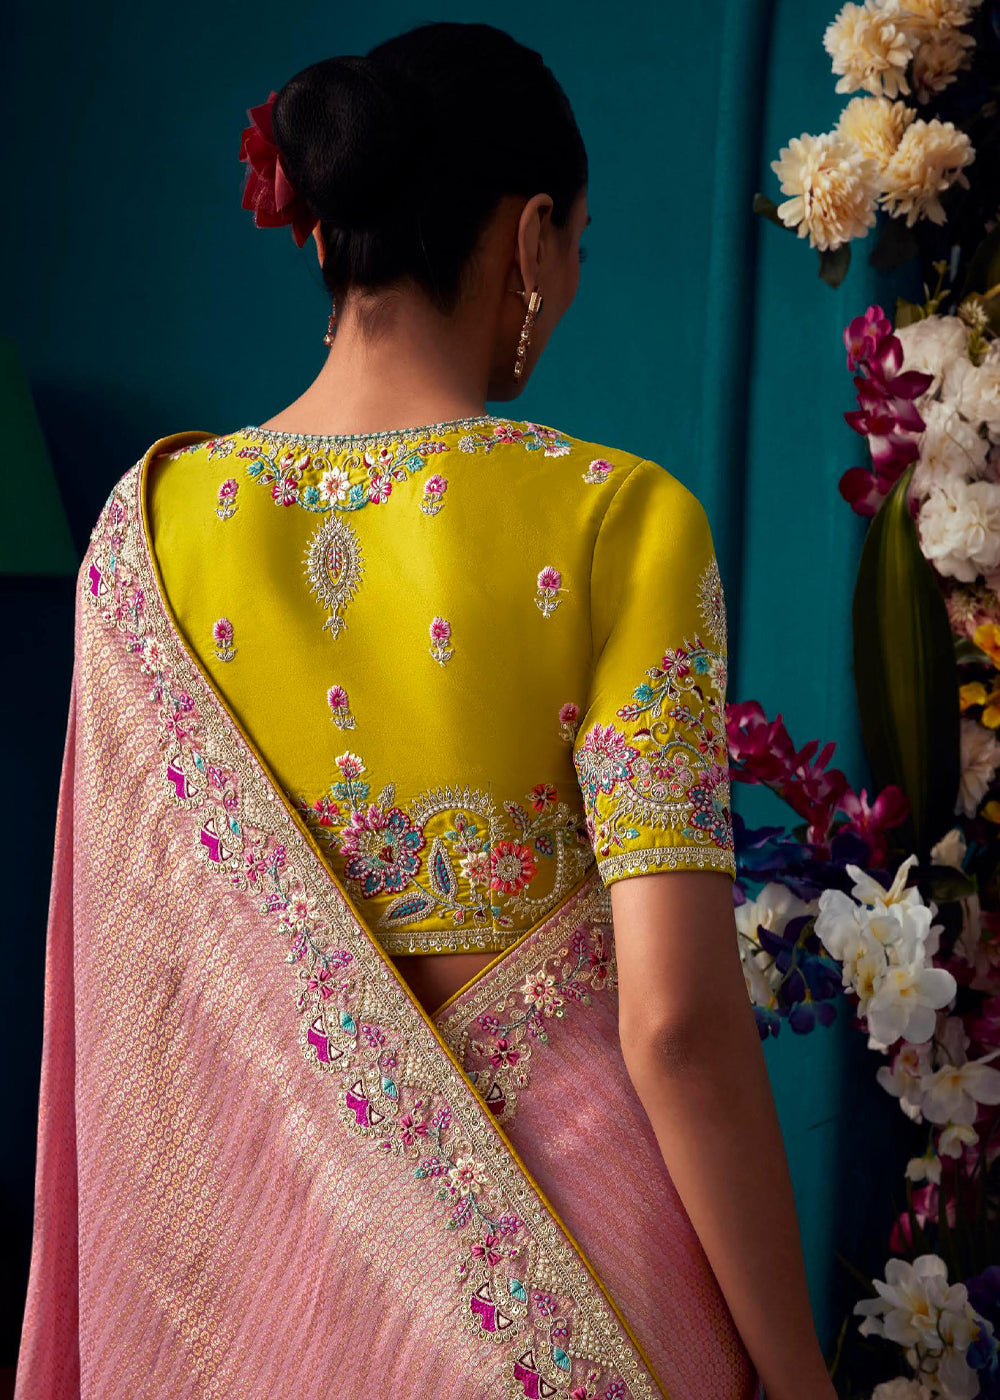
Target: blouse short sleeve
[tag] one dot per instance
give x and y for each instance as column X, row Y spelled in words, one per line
column 650, row 752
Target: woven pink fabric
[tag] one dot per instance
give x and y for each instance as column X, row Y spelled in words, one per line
column 263, row 1170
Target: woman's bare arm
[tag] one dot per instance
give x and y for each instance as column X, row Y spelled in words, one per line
column 692, row 1051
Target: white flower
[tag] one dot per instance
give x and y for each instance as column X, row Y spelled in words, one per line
column 938, row 59
column 959, row 527
column 834, row 187
column 955, row 1138
column 953, row 1093
column 932, row 344
column 977, row 391
column 910, row 1066
column 951, row 848
column 877, row 126
column 925, row 1168
column 871, row 48
column 904, row 1003
column 949, row 447
column 468, row 1176
column 980, row 760
column 773, row 908
column 902, row 1388
column 929, row 159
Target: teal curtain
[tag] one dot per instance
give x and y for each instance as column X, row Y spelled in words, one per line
column 144, row 301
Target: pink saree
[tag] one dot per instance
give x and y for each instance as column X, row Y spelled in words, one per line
column 263, row 1170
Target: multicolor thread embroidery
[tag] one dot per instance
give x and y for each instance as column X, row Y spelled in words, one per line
column 434, row 488
column 669, row 767
column 521, row 1282
column 227, row 506
column 449, row 855
column 549, row 585
column 495, row 1031
column 340, row 709
column 569, row 721
column 440, row 630
column 222, row 635
column 598, row 471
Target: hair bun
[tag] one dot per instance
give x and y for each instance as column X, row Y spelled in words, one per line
column 347, row 129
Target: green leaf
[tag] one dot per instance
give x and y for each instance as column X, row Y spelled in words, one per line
column 905, row 673
column 833, row 264
column 907, row 313
column 518, row 1290
column 943, row 883
column 768, row 210
column 984, row 265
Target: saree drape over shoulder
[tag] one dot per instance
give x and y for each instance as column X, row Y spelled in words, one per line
column 264, row 1170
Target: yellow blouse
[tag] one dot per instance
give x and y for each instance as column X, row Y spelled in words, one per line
column 478, row 655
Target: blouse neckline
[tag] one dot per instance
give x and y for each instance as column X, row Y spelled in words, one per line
column 279, row 435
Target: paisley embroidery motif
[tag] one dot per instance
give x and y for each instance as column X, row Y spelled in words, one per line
column 450, row 854
column 712, row 602
column 440, row 637
column 222, row 635
column 549, row 587
column 334, row 568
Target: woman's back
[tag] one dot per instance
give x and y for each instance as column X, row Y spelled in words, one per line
column 477, row 655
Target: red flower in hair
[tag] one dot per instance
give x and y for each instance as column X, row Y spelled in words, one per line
column 268, row 190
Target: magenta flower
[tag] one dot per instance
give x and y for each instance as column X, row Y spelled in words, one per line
column 222, row 631
column 549, row 578
column 569, row 713
column 228, row 489
column 440, row 630
column 336, row 697
column 436, row 485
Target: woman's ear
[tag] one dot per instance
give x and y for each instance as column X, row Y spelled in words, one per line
column 320, row 245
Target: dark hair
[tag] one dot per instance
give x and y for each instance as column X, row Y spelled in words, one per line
column 403, row 154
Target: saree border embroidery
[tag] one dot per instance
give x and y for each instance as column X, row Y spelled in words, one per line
column 495, row 1026
column 524, row 1284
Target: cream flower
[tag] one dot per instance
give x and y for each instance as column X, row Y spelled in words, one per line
column 871, row 48
column 932, row 345
column 977, row 391
column 938, row 60
column 876, row 124
column 933, row 14
column 951, row 848
column 773, row 908
column 929, row 159
column 949, row 448
column 833, row 185
column 902, row 1388
column 959, row 527
column 980, row 758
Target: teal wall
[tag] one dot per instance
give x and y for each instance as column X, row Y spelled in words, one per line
column 145, row 302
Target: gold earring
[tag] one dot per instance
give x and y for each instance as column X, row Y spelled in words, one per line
column 328, row 339
column 534, row 308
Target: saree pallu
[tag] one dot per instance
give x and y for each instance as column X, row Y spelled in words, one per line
column 263, row 1170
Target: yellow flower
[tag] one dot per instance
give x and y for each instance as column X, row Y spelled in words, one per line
column 987, row 638
column 928, row 160
column 877, row 125
column 972, row 693
column 991, row 810
column 833, row 185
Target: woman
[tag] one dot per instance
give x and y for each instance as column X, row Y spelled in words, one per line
column 396, row 1040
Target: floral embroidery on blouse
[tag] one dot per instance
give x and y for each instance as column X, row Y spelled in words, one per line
column 598, row 471
column 449, row 853
column 440, row 637
column 340, row 709
column 434, row 488
column 321, row 479
column 222, row 635
column 549, row 585
column 569, row 721
column 667, row 766
column 227, row 506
